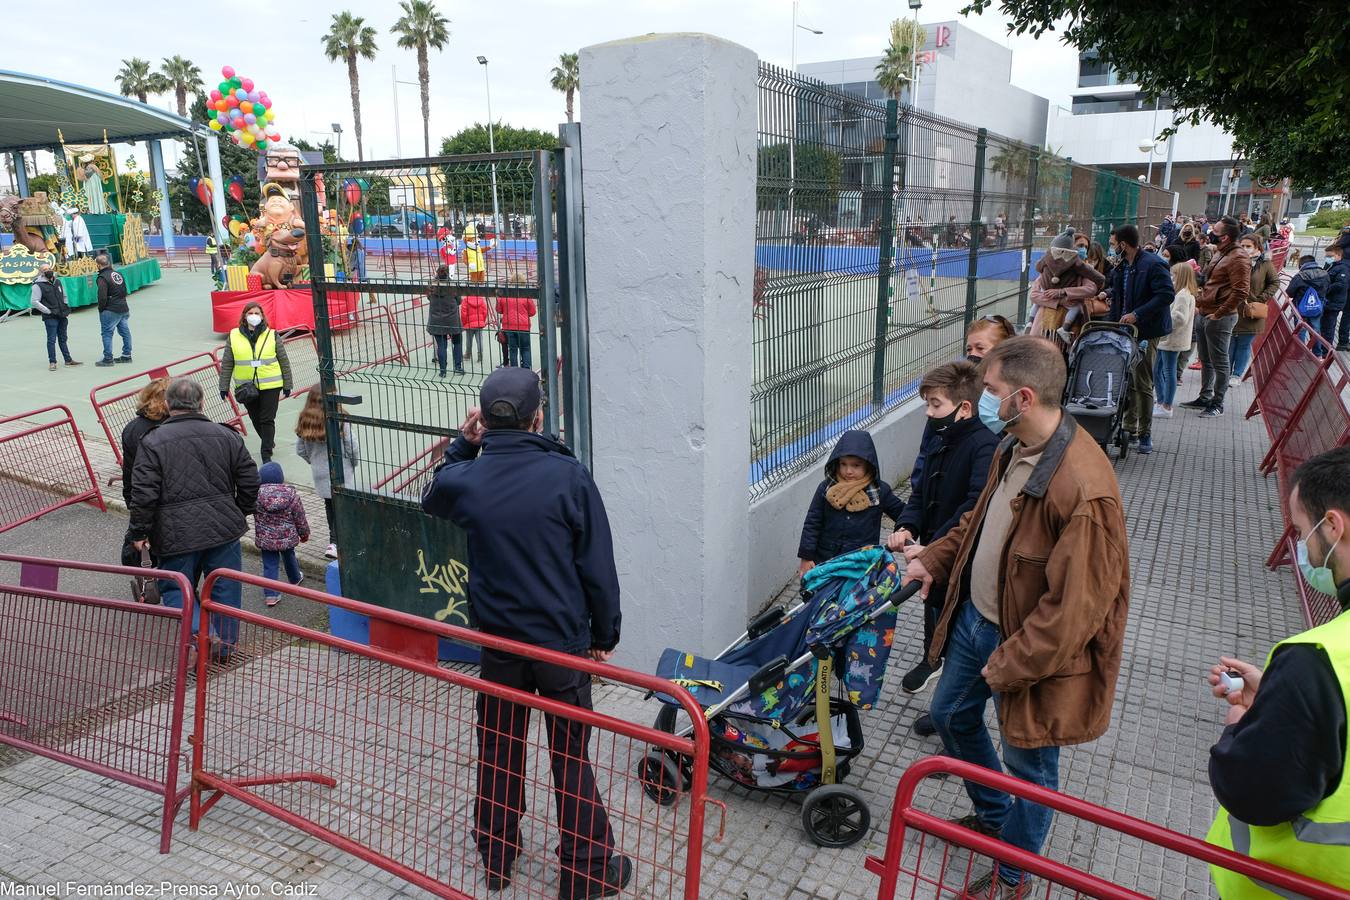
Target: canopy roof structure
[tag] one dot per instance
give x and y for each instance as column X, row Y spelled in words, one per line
column 33, row 108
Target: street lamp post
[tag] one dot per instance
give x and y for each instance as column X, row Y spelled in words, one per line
column 398, row 135
column 337, row 130
column 792, row 140
column 492, row 148
column 915, row 5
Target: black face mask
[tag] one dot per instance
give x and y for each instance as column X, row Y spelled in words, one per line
column 942, row 423
column 971, row 357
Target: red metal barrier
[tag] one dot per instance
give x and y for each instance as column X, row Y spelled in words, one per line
column 45, row 466
column 946, row 857
column 375, row 751
column 93, row 682
column 115, row 402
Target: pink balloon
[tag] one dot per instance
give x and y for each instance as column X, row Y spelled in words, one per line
column 227, row 71
column 246, row 84
column 215, row 94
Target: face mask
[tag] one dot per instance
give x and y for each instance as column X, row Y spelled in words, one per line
column 990, row 408
column 253, row 319
column 1082, row 253
column 942, row 423
column 974, row 358
column 1319, row 578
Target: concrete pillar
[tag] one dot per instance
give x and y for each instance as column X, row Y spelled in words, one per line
column 670, row 248
column 165, row 212
column 218, row 182
column 21, row 173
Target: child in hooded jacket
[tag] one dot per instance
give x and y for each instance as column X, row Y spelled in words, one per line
column 280, row 525
column 845, row 513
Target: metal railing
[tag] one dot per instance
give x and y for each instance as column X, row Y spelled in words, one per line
column 882, row 233
column 45, row 466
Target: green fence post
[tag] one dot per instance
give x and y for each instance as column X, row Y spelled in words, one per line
column 1028, row 233
column 981, row 142
column 886, row 256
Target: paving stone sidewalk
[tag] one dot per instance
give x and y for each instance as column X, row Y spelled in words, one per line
column 1201, row 522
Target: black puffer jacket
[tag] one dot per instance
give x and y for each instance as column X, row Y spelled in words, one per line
column 954, row 473
column 443, row 316
column 192, row 485
column 829, row 532
column 132, row 435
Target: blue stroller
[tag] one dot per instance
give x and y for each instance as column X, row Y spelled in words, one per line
column 773, row 723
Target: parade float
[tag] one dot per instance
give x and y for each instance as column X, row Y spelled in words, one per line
column 267, row 249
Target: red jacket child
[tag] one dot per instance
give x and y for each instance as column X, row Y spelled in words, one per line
column 473, row 312
column 516, row 312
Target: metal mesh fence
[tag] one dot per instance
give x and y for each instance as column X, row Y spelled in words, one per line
column 881, row 234
column 447, row 271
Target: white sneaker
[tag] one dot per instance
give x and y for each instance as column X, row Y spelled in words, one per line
column 331, row 552
column 1234, row 381
column 1064, row 335
column 1162, row 412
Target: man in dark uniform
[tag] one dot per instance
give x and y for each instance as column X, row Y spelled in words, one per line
column 113, row 311
column 541, row 571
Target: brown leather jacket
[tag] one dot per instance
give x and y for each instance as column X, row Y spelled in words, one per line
column 1063, row 592
column 1227, row 282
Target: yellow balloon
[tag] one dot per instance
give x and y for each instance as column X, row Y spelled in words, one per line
column 214, row 125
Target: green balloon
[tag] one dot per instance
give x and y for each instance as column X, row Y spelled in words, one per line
column 235, row 82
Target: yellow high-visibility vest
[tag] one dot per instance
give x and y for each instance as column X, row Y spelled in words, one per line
column 265, row 368
column 1317, row 843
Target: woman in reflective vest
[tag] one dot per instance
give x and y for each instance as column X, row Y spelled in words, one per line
column 256, row 356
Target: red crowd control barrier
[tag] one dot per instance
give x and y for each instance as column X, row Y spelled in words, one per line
column 93, row 682
column 929, row 856
column 115, row 402
column 377, row 753
column 45, row 466
column 1304, row 401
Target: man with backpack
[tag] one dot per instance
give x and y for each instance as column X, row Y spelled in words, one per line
column 1308, row 290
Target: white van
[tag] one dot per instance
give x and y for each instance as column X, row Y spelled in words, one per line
column 1316, row 204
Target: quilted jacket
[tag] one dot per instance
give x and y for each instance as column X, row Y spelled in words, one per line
column 192, row 485
column 280, row 518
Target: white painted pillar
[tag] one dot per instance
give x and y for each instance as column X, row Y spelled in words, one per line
column 218, row 185
column 670, row 248
column 165, row 212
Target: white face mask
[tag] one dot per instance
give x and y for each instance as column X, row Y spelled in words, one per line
column 253, row 319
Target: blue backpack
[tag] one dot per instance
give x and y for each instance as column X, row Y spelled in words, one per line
column 1310, row 304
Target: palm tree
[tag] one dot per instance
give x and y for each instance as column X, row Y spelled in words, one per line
column 136, row 79
column 422, row 26
column 348, row 38
column 567, row 78
column 899, row 61
column 183, row 77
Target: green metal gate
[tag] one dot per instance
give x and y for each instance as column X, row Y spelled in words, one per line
column 376, row 234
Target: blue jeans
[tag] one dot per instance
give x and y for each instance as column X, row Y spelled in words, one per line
column 518, row 349
column 1240, row 353
column 56, row 333
column 271, row 559
column 454, row 340
column 958, row 715
column 1165, row 376
column 195, row 566
column 108, row 321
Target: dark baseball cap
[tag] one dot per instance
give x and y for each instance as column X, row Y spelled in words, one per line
column 517, row 388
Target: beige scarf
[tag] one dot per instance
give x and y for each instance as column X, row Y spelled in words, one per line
column 850, row 495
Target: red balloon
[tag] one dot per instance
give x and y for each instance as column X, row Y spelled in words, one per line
column 236, row 190
column 353, row 191
column 232, row 101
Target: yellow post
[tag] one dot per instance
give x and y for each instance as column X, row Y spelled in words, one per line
column 823, row 667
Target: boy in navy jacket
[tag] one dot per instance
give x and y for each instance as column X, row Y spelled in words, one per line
column 953, row 477
column 845, row 513
column 541, row 571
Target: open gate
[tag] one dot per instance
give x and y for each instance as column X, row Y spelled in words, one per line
column 388, row 226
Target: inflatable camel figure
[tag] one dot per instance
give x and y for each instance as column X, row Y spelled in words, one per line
column 12, row 219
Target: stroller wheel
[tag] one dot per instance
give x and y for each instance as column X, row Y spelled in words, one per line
column 666, row 721
column 660, row 778
column 836, row 816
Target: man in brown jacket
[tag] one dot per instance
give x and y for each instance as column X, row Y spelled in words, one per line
column 1038, row 588
column 1227, row 282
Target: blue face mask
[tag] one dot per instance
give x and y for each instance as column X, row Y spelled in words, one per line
column 1082, row 253
column 990, row 407
column 1319, row 578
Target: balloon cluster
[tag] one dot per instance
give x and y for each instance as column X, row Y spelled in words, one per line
column 201, row 189
column 237, row 108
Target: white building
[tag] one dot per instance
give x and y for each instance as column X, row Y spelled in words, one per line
column 1110, row 118
column 964, row 76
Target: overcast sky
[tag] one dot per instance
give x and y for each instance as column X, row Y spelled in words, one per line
column 521, row 38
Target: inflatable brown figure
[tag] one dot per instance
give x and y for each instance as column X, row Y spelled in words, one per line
column 280, row 233
column 22, row 223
